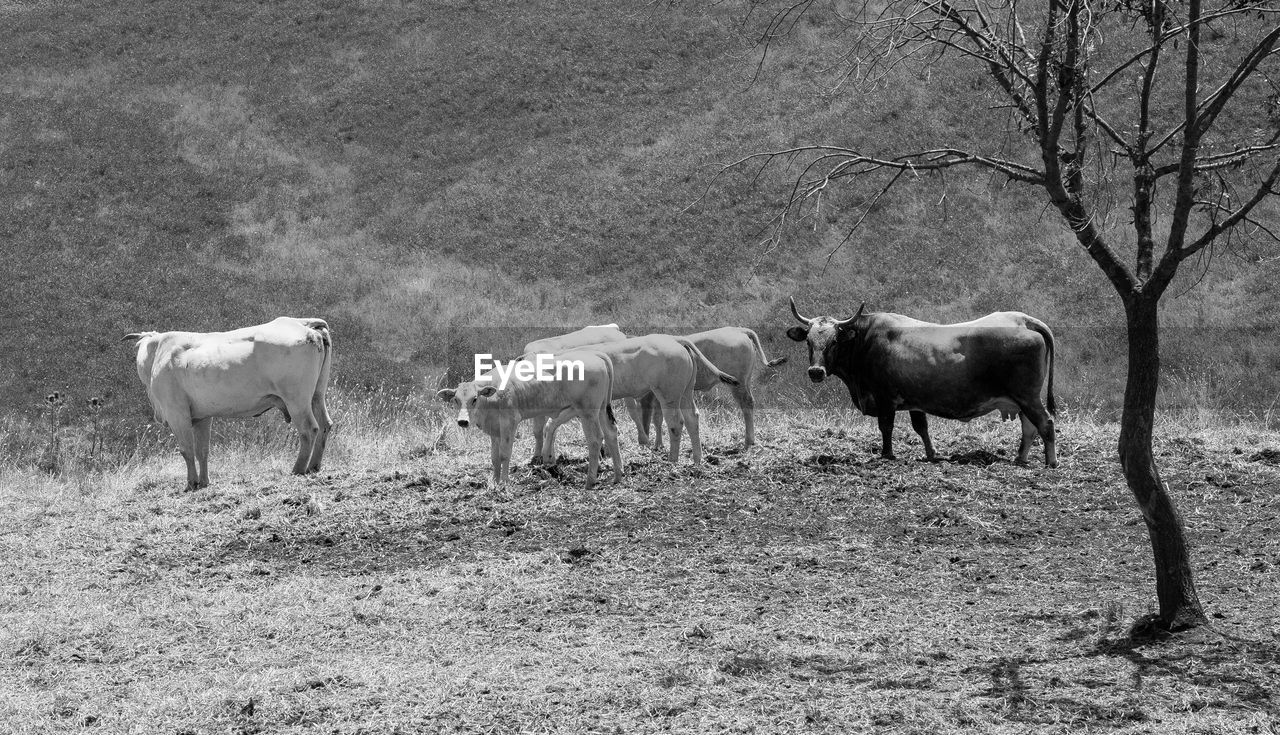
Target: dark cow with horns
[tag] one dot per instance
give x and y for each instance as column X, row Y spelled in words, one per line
column 892, row 363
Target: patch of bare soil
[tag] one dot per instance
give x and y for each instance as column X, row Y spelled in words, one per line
column 1006, row 589
column 805, row 584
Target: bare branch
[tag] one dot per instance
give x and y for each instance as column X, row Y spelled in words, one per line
column 1219, row 160
column 1213, row 105
column 1090, row 110
column 866, row 211
column 1172, row 257
column 1190, row 135
column 1215, row 102
column 1241, row 213
column 1144, row 180
column 779, row 26
column 1174, row 32
column 1045, row 77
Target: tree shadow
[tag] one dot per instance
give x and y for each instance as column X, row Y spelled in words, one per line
column 1229, row 672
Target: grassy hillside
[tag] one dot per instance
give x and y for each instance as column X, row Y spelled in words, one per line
column 441, row 178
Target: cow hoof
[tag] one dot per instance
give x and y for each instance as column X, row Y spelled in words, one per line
column 888, row 456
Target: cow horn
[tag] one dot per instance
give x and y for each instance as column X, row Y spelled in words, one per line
column 133, row 335
column 853, row 318
column 797, row 313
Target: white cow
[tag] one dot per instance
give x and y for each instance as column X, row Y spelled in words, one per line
column 580, row 338
column 192, row 377
column 497, row 412
column 735, row 350
column 584, row 337
column 666, row 366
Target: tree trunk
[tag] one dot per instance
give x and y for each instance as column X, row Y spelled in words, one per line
column 1175, row 585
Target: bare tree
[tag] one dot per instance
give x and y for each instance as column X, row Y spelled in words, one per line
column 1116, row 98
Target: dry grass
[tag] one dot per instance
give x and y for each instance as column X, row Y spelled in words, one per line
column 804, row 585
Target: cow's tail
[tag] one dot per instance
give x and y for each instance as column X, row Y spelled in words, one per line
column 320, row 329
column 755, row 340
column 700, row 361
column 1043, row 330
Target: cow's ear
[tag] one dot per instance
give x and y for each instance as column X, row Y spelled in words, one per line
column 446, row 395
column 798, row 334
column 487, row 391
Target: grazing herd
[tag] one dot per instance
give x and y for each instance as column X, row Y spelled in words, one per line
column 889, row 362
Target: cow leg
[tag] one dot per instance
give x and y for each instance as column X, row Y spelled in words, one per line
column 689, row 412
column 886, row 434
column 920, row 422
column 323, row 426
column 610, row 430
column 591, row 430
column 1028, row 437
column 548, row 447
column 495, row 459
column 1036, row 420
column 695, row 442
column 185, row 434
column 658, row 416
column 651, row 414
column 640, row 412
column 746, row 402
column 1050, row 437
column 305, row 422
column 539, row 441
column 201, row 429
column 675, row 423
column 508, row 439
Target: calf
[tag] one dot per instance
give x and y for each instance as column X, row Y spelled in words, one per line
column 497, row 412
column 734, row 350
column 666, row 366
column 584, row 337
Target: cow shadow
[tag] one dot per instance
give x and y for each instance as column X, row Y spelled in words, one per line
column 978, row 457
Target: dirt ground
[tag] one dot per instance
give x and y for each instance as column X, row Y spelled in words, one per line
column 804, row 585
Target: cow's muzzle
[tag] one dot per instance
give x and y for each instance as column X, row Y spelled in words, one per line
column 817, row 373
column 463, row 423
